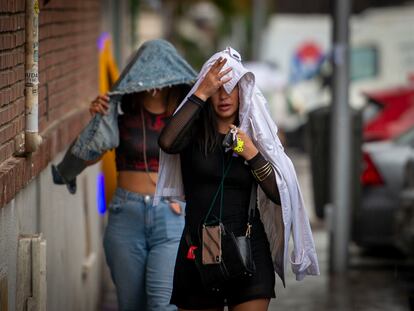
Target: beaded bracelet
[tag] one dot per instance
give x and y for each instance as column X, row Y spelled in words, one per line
column 239, row 147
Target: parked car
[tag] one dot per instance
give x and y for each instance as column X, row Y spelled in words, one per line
column 382, row 181
column 388, row 113
column 404, row 220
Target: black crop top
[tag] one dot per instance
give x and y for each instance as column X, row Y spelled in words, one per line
column 130, row 153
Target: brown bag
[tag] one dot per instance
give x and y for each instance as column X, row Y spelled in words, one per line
column 236, row 260
column 223, row 256
column 211, row 245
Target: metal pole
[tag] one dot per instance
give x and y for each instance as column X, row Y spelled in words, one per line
column 340, row 139
column 116, row 30
column 259, row 14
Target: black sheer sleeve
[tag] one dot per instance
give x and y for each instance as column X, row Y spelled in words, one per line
column 264, row 174
column 179, row 131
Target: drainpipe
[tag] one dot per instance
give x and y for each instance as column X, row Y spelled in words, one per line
column 32, row 137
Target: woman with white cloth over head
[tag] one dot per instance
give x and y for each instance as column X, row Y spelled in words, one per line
column 217, row 183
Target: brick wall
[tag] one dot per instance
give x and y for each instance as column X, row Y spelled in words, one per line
column 68, row 31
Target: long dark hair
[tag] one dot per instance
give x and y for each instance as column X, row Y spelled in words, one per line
column 175, row 96
column 208, row 136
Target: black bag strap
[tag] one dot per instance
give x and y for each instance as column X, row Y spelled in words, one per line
column 252, row 208
column 252, row 204
column 187, row 236
column 219, row 191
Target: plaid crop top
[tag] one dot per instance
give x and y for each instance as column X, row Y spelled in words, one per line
column 130, row 153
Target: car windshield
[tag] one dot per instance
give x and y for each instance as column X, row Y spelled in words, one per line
column 407, row 138
column 370, row 111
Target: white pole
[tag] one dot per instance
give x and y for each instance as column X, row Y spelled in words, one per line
column 32, row 137
column 259, row 17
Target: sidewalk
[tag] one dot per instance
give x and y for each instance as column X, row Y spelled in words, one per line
column 370, row 285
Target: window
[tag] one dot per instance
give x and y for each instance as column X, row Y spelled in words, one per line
column 407, row 138
column 370, row 111
column 364, row 63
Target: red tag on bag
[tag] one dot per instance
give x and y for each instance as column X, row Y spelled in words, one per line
column 190, row 253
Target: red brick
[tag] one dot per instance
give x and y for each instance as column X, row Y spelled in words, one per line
column 19, row 21
column 42, row 91
column 6, row 151
column 17, row 91
column 6, row 60
column 10, row 77
column 6, row 41
column 53, row 72
column 19, row 5
column 4, row 8
column 5, row 95
column 7, row 180
column 68, row 80
column 11, row 111
column 6, row 23
column 20, row 38
column 11, row 129
column 19, row 72
column 19, row 176
column 10, row 59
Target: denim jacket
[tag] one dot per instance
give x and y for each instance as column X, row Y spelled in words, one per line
column 155, row 65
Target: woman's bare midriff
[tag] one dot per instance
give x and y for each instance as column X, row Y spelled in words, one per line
column 138, row 182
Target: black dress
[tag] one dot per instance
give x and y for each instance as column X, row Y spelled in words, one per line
column 201, row 177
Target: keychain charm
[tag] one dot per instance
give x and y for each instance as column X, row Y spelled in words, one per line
column 230, row 140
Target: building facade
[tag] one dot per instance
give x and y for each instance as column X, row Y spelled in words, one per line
column 67, row 274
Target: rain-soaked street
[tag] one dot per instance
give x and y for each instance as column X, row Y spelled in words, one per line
column 373, row 282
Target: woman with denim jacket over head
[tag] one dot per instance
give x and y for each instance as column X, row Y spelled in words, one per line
column 141, row 239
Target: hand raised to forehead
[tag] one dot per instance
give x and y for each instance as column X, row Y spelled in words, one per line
column 213, row 80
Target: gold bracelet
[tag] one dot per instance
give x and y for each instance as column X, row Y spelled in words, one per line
column 263, row 172
column 263, row 168
column 264, row 176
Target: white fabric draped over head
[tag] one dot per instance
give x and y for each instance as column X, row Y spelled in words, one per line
column 256, row 121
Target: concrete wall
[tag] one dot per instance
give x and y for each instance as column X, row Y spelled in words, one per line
column 73, row 230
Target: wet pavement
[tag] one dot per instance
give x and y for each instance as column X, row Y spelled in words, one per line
column 372, row 283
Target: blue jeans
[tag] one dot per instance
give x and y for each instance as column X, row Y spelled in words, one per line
column 141, row 243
